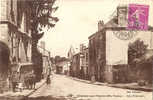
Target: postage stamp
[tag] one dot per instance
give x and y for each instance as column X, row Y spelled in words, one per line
column 138, row 17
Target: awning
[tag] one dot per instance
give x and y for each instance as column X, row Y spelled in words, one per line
column 23, row 64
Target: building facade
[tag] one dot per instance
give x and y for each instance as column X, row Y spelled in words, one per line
column 84, row 55
column 75, row 66
column 15, row 31
column 108, row 48
column 46, row 62
column 97, row 55
column 63, row 67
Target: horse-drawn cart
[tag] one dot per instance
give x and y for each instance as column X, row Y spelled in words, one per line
column 23, row 76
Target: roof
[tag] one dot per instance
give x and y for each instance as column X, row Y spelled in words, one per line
column 71, row 52
column 62, row 63
column 24, row 65
column 77, row 54
column 112, row 24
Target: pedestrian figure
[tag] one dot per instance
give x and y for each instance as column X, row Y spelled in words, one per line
column 48, row 79
column 26, row 81
column 14, row 81
column 14, row 84
column 32, row 81
column 93, row 79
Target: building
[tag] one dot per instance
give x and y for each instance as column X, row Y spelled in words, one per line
column 84, row 55
column 97, row 55
column 46, row 62
column 79, row 61
column 71, row 52
column 63, row 67
column 15, row 31
column 75, row 66
column 108, row 47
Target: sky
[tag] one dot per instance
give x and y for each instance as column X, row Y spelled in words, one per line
column 78, row 20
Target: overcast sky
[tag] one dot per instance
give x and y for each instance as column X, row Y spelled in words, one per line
column 78, row 20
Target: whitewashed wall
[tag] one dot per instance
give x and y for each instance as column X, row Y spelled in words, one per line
column 117, row 49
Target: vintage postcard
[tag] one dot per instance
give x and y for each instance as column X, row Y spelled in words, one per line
column 76, row 49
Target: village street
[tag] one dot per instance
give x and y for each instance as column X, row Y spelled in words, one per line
column 65, row 88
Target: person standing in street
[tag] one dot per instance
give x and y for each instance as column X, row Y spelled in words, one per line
column 48, row 79
column 14, row 80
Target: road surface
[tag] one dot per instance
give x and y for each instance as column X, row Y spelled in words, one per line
column 65, row 88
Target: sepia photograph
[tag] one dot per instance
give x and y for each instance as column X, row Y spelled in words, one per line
column 76, row 49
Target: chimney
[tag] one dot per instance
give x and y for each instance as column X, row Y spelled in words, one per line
column 100, row 25
column 122, row 16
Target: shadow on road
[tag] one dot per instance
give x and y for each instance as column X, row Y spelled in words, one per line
column 32, row 98
column 11, row 97
column 45, row 98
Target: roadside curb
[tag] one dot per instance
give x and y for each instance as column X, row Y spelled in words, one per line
column 26, row 96
column 113, row 85
column 133, row 88
column 35, row 89
column 89, row 82
column 22, row 97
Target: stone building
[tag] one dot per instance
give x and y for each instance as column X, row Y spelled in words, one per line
column 46, row 62
column 15, row 31
column 79, row 60
column 71, row 52
column 70, row 55
column 63, row 67
column 75, row 66
column 97, row 55
column 84, row 55
column 108, row 47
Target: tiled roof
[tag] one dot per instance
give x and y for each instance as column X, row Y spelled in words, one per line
column 113, row 25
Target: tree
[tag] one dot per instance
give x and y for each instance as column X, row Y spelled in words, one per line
column 136, row 50
column 59, row 59
column 40, row 18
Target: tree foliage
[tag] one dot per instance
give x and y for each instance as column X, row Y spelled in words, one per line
column 136, row 50
column 60, row 59
column 42, row 11
column 41, row 16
